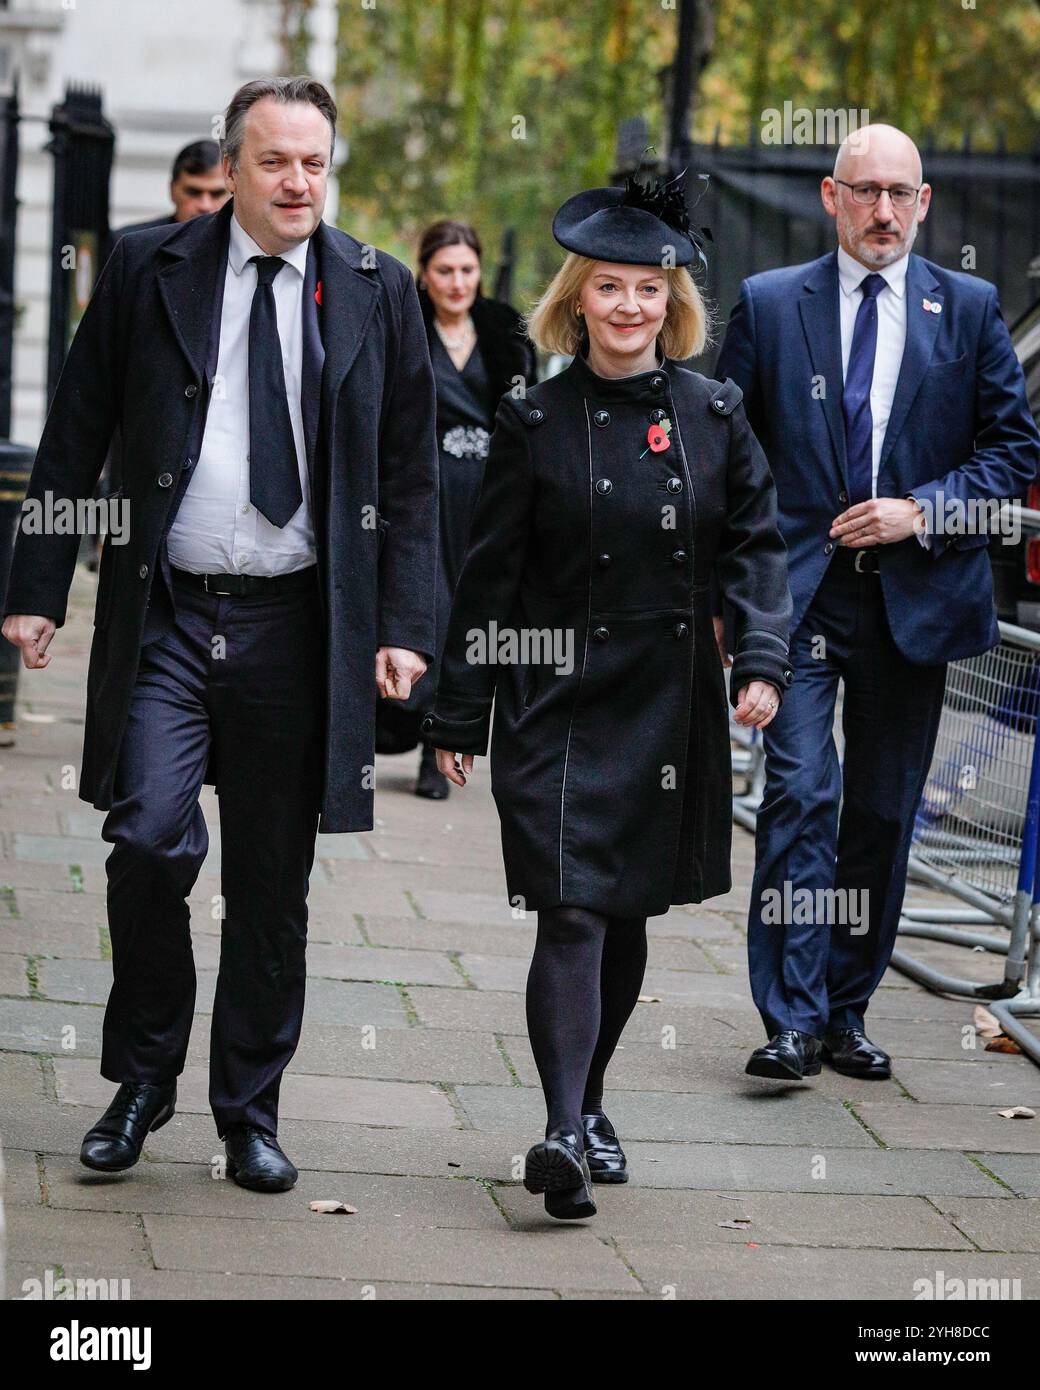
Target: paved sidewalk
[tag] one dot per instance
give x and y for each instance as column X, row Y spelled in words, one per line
column 413, row 1095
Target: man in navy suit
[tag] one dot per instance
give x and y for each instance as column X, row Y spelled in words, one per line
column 890, row 404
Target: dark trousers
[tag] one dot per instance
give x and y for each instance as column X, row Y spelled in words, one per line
column 241, row 681
column 825, row 826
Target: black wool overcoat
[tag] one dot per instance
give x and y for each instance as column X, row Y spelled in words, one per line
column 137, row 363
column 612, row 778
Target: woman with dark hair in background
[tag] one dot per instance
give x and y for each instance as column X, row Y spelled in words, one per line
column 479, row 351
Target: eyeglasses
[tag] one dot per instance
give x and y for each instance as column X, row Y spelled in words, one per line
column 868, row 193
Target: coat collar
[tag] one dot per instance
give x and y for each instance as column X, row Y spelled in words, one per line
column 643, row 386
column 192, row 259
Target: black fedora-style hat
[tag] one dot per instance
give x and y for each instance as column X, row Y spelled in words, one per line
column 639, row 224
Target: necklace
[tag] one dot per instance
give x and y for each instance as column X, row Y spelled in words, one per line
column 456, row 343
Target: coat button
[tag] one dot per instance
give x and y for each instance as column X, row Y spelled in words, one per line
column 427, row 723
column 603, row 561
column 165, row 479
column 843, row 497
column 602, row 418
column 536, row 416
column 674, row 485
column 680, row 630
column 143, row 571
column 719, row 405
column 601, row 634
column 657, row 383
column 828, row 548
column 788, row 675
column 679, row 557
column 603, row 486
column 656, row 416
column 191, row 390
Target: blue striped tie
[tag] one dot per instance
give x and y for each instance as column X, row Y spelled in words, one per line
column 855, row 401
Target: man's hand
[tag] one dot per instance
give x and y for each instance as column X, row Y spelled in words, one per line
column 446, row 765
column 758, row 702
column 880, row 521
column 397, row 670
column 720, row 641
column 32, row 635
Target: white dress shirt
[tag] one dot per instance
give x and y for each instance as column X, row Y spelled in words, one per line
column 891, row 337
column 217, row 530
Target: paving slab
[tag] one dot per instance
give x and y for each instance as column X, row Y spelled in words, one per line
column 973, row 1128
column 974, row 1082
column 993, row 1223
column 822, row 1220
column 755, row 1167
column 340, row 1099
column 792, row 1272
column 179, row 1189
column 790, row 1115
column 418, row 1255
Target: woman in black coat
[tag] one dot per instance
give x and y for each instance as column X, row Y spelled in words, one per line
column 612, row 494
column 478, row 349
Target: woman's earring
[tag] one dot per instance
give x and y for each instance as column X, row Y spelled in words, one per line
column 578, row 309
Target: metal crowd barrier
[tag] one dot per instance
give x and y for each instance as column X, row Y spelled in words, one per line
column 976, row 835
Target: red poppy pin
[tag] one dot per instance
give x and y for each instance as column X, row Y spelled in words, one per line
column 317, row 295
column 657, row 438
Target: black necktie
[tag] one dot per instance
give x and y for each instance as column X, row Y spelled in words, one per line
column 274, row 473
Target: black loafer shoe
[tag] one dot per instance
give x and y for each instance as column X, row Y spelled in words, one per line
column 851, row 1052
column 558, row 1167
column 603, row 1152
column 255, row 1161
column 116, row 1140
column 790, row 1056
column 432, row 782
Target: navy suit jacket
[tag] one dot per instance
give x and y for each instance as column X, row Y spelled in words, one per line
column 960, row 428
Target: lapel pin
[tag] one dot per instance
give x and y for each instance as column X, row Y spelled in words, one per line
column 657, row 438
column 931, row 306
column 317, row 295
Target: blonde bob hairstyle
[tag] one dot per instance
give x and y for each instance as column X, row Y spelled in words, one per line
column 554, row 325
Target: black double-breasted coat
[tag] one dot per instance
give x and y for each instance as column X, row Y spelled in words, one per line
column 139, row 362
column 612, row 778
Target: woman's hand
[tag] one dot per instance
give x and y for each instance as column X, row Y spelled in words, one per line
column 446, row 765
column 757, row 705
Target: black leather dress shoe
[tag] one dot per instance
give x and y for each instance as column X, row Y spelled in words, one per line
column 851, row 1052
column 603, row 1152
column 255, row 1161
column 432, row 782
column 116, row 1140
column 558, row 1167
column 790, row 1056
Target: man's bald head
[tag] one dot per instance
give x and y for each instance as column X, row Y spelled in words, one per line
column 874, row 160
column 878, row 147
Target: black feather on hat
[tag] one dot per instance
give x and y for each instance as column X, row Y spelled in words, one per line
column 639, row 224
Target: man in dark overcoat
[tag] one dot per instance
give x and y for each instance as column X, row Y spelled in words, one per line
column 272, row 382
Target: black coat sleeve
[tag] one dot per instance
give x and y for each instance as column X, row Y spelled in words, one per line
column 409, row 479
column 80, row 423
column 751, row 562
column 487, row 589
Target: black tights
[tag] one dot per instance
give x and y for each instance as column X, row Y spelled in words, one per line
column 583, row 984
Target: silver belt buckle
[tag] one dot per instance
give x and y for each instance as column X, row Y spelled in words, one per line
column 857, row 563
column 205, row 584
